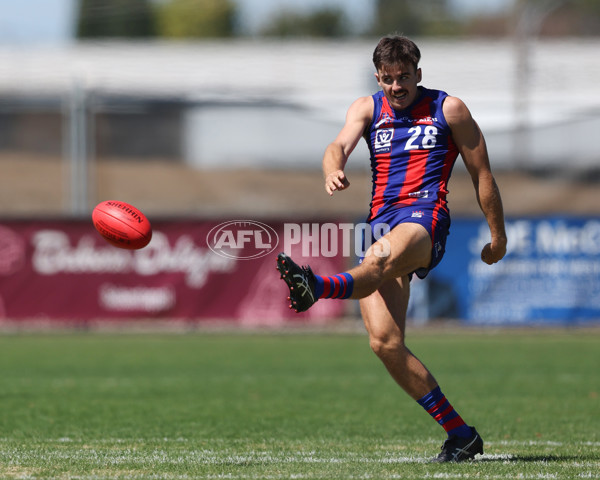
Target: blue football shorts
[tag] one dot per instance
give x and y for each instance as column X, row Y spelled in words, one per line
column 437, row 225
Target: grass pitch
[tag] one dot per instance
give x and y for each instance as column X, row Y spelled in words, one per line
column 254, row 406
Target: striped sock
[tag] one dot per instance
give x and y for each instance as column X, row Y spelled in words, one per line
column 338, row 286
column 439, row 408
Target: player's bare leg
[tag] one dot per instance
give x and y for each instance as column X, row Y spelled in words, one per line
column 381, row 282
column 403, row 250
column 384, row 314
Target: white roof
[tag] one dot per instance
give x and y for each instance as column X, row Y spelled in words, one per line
column 324, row 77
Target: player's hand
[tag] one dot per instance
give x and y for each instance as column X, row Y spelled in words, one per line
column 336, row 181
column 493, row 252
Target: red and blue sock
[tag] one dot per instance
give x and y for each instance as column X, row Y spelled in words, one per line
column 337, row 286
column 439, row 408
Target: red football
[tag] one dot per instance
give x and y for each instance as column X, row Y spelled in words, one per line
column 122, row 225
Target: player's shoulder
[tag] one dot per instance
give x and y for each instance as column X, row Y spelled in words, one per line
column 362, row 108
column 363, row 103
column 455, row 110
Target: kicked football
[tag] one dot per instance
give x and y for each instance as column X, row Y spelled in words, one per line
column 122, row 225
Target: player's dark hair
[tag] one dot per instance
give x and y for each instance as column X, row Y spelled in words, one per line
column 396, row 50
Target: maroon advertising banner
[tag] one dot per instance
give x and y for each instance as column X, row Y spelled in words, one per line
column 196, row 270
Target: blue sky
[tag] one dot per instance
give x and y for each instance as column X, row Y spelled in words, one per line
column 51, row 21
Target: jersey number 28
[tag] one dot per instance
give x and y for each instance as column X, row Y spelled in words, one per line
column 428, row 140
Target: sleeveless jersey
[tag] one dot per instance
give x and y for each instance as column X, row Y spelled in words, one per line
column 412, row 154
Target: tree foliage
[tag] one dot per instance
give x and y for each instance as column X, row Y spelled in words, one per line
column 396, row 16
column 410, row 18
column 325, row 22
column 197, row 18
column 115, row 18
column 578, row 17
column 219, row 18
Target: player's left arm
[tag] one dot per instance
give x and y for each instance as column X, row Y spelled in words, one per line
column 470, row 143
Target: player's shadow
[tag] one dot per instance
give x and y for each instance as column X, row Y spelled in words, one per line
column 538, row 458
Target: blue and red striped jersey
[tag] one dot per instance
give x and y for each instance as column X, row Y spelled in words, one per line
column 412, row 153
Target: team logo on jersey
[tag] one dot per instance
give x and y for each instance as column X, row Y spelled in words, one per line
column 383, row 140
column 384, row 119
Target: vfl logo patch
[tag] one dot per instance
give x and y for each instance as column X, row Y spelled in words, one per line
column 383, row 140
column 417, row 214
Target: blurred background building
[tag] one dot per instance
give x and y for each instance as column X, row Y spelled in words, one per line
column 95, row 91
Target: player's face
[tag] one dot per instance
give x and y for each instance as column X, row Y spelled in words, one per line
column 399, row 84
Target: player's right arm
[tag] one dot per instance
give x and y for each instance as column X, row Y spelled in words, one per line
column 337, row 152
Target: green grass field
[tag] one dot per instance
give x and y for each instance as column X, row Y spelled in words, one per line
column 268, row 406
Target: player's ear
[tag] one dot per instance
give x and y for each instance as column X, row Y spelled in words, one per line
column 377, row 78
column 419, row 75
